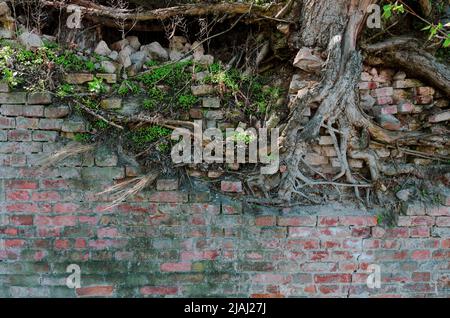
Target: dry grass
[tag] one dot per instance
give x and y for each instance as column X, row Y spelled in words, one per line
column 70, row 150
column 122, row 191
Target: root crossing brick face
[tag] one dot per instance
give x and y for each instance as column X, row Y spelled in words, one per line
column 169, row 242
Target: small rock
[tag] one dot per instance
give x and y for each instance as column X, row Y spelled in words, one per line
column 211, row 102
column 198, row 48
column 109, row 78
column 201, row 90
column 6, row 34
column 111, row 103
column 307, row 61
column 138, row 59
column 124, row 58
column 30, row 40
column 155, row 51
column 177, row 43
column 443, row 116
column 175, row 55
column 215, row 174
column 102, row 49
column 204, row 59
column 388, row 121
column 108, row 67
column 214, row 114
column 399, row 76
column 114, row 55
column 403, row 195
column 119, row 45
column 78, row 78
column 133, row 41
column 4, row 9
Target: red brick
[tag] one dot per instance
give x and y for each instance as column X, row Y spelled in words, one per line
column 302, row 232
column 66, row 208
column 19, row 135
column 296, row 221
column 107, row 232
column 80, row 243
column 328, row 221
column 158, row 290
column 415, row 220
column 303, row 244
column 176, row 267
column 438, row 211
column 367, row 85
column 56, row 220
column 92, row 291
column 168, row 197
column 22, row 184
column 332, row 278
column 46, row 196
column 379, row 232
column 14, row 243
column 421, row 276
column 21, row 219
column 28, row 207
column 231, row 186
column 61, row 244
column 267, row 220
column 358, row 220
column 443, row 221
column 419, row 231
column 420, row 255
column 18, row 195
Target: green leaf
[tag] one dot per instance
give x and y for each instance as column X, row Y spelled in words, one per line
column 447, row 42
column 387, row 11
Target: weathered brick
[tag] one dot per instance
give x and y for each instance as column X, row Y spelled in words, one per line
column 39, row 98
column 296, row 221
column 78, row 78
column 93, row 291
column 158, row 290
column 167, row 184
column 439, row 117
column 231, row 186
column 57, row 112
column 19, row 135
column 11, row 110
column 13, row 98
column 33, row 111
column 6, row 122
column 50, row 124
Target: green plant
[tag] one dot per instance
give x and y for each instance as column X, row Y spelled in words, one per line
column 128, row 87
column 81, row 137
column 101, row 124
column 435, row 30
column 97, row 86
column 64, row 90
column 186, row 101
column 149, row 134
column 155, row 97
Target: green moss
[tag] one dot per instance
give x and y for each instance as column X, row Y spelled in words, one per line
column 65, row 90
column 82, row 137
column 186, row 101
column 149, row 134
column 128, row 87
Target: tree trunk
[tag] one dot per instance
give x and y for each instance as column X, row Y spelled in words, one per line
column 332, row 26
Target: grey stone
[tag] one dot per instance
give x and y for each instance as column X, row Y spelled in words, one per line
column 211, row 102
column 30, row 40
column 133, row 42
column 108, row 67
column 403, row 195
column 102, row 49
column 111, row 103
column 155, row 51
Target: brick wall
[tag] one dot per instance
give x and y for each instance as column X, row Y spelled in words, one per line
column 172, row 242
